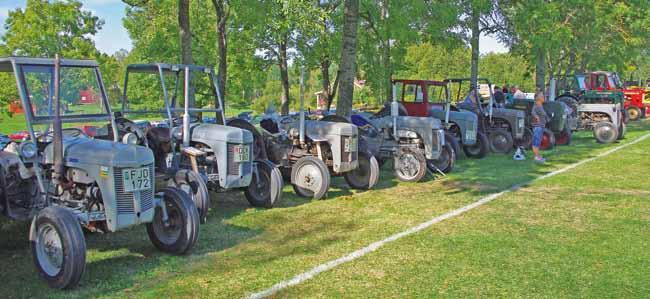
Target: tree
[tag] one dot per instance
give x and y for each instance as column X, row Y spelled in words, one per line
column 222, row 12
column 185, row 32
column 348, row 58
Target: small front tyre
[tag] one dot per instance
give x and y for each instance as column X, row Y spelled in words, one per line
column 605, row 132
column 194, row 185
column 564, row 137
column 310, row 177
column 479, row 149
column 445, row 162
column 410, row 165
column 180, row 232
column 58, row 247
column 500, row 141
column 548, row 140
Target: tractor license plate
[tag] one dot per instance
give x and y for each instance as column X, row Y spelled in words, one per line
column 471, row 135
column 350, row 145
column 241, row 153
column 136, row 179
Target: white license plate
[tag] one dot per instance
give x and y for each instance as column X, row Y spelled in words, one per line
column 136, row 179
column 241, row 153
column 470, row 135
column 350, row 145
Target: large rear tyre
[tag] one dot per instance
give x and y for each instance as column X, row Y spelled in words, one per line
column 410, row 165
column 180, row 232
column 451, row 140
column 58, row 247
column 264, row 190
column 564, row 137
column 634, row 113
column 548, row 140
column 605, row 132
column 445, row 162
column 366, row 175
column 500, row 141
column 310, row 177
column 479, row 149
column 194, row 185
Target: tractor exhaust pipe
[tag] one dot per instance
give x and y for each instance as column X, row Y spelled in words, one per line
column 394, row 111
column 551, row 90
column 186, row 115
column 302, row 105
column 58, row 127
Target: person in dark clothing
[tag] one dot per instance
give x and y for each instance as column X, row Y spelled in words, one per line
column 499, row 97
column 539, row 120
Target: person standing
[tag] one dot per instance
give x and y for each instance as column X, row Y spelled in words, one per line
column 539, row 120
column 499, row 97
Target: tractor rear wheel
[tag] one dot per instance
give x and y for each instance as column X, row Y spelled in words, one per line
column 263, row 190
column 445, row 162
column 58, row 247
column 622, row 129
column 366, row 175
column 180, row 232
column 548, row 140
column 564, row 137
column 310, row 177
column 605, row 132
column 634, row 113
column 451, row 140
column 500, row 141
column 194, row 185
column 410, row 165
column 526, row 141
column 479, row 149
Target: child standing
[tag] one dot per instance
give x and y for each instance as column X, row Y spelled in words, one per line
column 540, row 118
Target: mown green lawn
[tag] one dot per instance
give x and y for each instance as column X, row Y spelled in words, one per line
column 582, row 233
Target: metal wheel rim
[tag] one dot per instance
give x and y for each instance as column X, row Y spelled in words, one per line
column 606, row 132
column 309, row 177
column 49, row 249
column 444, row 159
column 633, row 113
column 408, row 166
column 546, row 141
column 168, row 234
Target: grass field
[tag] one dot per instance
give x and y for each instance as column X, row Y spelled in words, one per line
column 583, row 233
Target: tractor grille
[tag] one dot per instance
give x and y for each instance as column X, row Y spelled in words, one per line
column 436, row 138
column 125, row 200
column 238, row 168
column 348, row 156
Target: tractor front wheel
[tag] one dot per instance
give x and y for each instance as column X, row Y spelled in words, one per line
column 410, row 165
column 310, row 177
column 366, row 175
column 634, row 113
column 451, row 140
column 180, row 231
column 194, row 185
column 58, row 247
column 605, row 132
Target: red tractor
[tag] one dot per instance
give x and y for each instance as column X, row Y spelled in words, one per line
column 636, row 103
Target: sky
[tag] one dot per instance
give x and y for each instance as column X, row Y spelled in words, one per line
column 113, row 37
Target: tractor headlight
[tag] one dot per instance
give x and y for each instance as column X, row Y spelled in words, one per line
column 406, row 134
column 130, row 138
column 27, row 150
column 520, row 123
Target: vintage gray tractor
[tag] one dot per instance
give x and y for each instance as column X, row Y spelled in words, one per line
column 62, row 180
column 309, row 151
column 220, row 153
column 595, row 108
column 426, row 98
column 414, row 143
column 504, row 127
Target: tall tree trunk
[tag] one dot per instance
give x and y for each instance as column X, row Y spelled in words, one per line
column 222, row 43
column 540, row 70
column 184, row 32
column 284, row 75
column 348, row 63
column 186, row 39
column 474, row 43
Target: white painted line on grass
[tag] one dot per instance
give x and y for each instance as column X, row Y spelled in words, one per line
column 374, row 246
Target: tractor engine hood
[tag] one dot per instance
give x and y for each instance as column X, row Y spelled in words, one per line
column 412, row 122
column 211, row 134
column 81, row 150
column 321, row 129
column 508, row 113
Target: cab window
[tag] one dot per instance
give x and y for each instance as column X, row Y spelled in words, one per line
column 413, row 93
